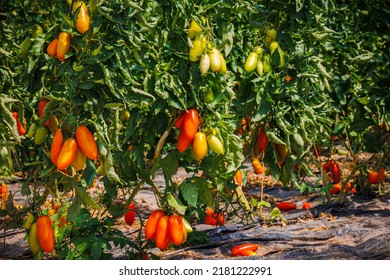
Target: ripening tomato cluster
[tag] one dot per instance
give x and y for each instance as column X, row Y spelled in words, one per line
column 248, row 249
column 21, row 127
column 332, row 171
column 188, row 123
column 164, row 229
column 263, row 62
column 210, row 57
column 73, row 151
column 376, row 177
column 60, row 46
column 41, row 234
column 214, row 219
column 130, row 215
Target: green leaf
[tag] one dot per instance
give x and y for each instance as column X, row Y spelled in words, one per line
column 189, row 190
column 176, row 204
column 86, row 199
column 74, row 209
column 90, row 172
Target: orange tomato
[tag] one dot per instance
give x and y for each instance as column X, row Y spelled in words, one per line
column 199, row 146
column 306, row 205
column 86, row 142
column 56, row 146
column 335, row 189
column 21, row 128
column 162, row 236
column 257, row 166
column 68, row 154
column 79, row 161
column 45, row 234
column 175, row 229
column 41, row 107
column 191, row 123
column 3, row 189
column 83, row 21
column 244, row 249
column 151, row 224
column 183, row 142
column 63, row 45
column 52, row 48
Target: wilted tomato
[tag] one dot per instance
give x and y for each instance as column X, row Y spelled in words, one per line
column 130, row 215
column 45, row 234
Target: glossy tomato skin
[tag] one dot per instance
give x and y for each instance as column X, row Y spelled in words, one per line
column 175, row 229
column 63, row 45
column 251, row 62
column 199, row 146
column 238, row 177
column 68, row 154
column 257, row 166
column 238, row 250
column 191, row 123
column 183, row 142
column 130, row 215
column 52, row 48
column 151, row 224
column 45, row 234
column 83, row 21
column 86, row 142
column 56, row 146
column 162, row 235
column 286, row 206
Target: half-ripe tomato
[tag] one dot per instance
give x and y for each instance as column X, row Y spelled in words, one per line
column 270, row 35
column 45, row 234
column 83, row 20
column 198, row 46
column 33, row 239
column 68, row 154
column 251, row 62
column 79, row 161
column 86, row 142
column 151, row 224
column 215, row 144
column 191, row 123
column 180, row 119
column 204, row 64
column 199, row 146
column 223, row 68
column 215, row 60
column 175, row 229
column 56, row 146
column 162, row 235
column 183, row 142
column 286, row 206
column 52, row 48
column 63, row 45
column 130, row 215
column 238, row 250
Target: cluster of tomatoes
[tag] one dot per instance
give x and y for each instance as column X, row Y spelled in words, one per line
column 60, row 46
column 376, row 177
column 40, row 233
column 214, row 219
column 164, row 229
column 73, row 151
column 188, row 123
column 210, row 57
column 262, row 62
column 333, row 173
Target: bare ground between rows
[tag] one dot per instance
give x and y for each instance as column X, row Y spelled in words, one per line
column 359, row 228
